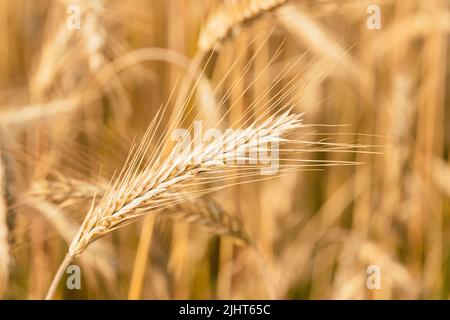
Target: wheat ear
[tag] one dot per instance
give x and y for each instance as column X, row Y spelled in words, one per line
column 209, row 214
column 137, row 191
column 229, row 16
column 65, row 191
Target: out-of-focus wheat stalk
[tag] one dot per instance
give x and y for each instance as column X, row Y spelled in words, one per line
column 441, row 175
column 66, row 191
column 4, row 246
column 311, row 34
column 209, row 214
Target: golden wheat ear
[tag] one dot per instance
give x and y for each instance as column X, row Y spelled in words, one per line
column 229, row 16
column 144, row 186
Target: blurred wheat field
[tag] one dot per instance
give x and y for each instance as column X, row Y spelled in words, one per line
column 370, row 178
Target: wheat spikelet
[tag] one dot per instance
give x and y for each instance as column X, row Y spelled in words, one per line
column 206, row 212
column 229, row 16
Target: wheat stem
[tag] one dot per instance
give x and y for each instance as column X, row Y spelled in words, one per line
column 57, row 278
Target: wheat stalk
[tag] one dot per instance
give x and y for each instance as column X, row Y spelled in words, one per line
column 4, row 247
column 138, row 192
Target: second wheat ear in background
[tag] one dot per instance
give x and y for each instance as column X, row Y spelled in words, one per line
column 146, row 186
column 230, row 15
column 204, row 212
